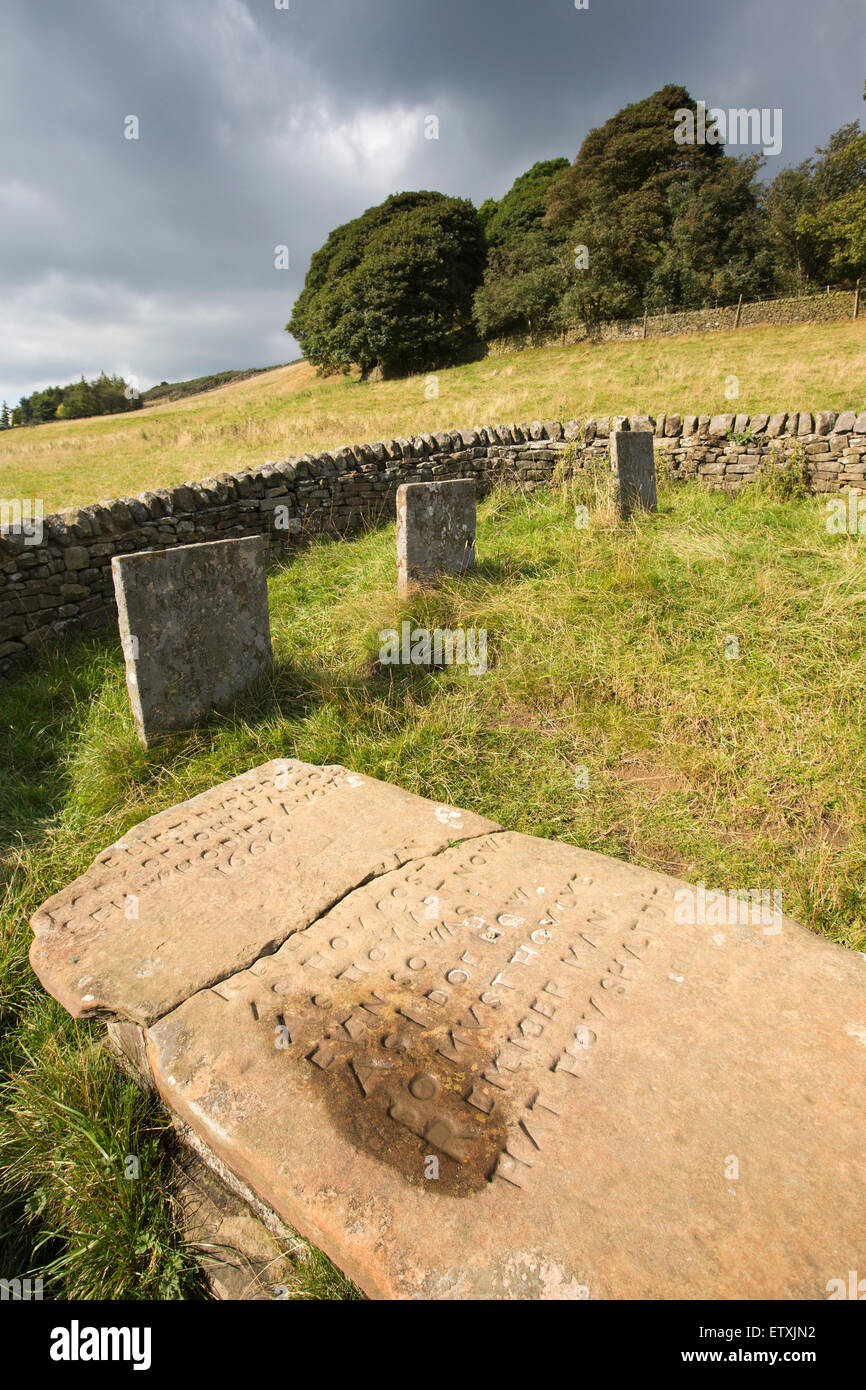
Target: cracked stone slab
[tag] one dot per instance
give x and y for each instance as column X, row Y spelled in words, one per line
column 200, row 891
column 435, row 532
column 511, row 1068
column 195, row 629
column 512, row 1071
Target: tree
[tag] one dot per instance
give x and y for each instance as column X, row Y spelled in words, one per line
column 624, row 249
column 719, row 242
column 105, row 395
column 817, row 213
column 5, row 420
column 522, row 209
column 110, row 397
column 784, row 199
column 620, row 198
column 393, row 288
column 42, row 405
column 635, row 152
column 79, row 400
column 525, row 273
column 832, row 227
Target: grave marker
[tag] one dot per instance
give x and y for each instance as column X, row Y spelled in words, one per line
column 194, row 628
column 480, row 1064
column 633, row 466
column 435, row 532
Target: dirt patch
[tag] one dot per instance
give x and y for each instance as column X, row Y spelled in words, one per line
column 639, row 770
column 401, row 1098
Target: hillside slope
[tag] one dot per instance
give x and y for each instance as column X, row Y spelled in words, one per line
column 291, row 411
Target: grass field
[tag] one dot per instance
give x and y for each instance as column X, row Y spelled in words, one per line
column 291, row 411
column 608, row 651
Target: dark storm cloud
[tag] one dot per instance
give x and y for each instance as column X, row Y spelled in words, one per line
column 262, row 126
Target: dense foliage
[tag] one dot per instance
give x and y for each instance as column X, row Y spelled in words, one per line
column 105, row 395
column 638, row 222
column 526, row 267
column 393, row 289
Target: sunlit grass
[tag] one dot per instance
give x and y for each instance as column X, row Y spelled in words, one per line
column 291, row 411
column 608, row 650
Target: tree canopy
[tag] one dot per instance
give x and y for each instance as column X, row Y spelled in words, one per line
column 393, row 288
column 104, row 395
column 640, row 220
column 525, row 273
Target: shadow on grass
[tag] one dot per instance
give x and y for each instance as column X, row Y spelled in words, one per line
column 500, row 571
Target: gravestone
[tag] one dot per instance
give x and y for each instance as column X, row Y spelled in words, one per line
column 194, row 627
column 435, row 532
column 469, row 1063
column 634, row 470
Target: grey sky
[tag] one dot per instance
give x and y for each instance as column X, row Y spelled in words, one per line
column 262, row 126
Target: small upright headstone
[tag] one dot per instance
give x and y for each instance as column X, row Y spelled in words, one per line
column 435, row 532
column 634, row 470
column 194, row 627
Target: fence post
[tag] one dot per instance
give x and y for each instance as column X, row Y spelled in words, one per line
column 856, row 299
column 644, row 319
column 739, row 311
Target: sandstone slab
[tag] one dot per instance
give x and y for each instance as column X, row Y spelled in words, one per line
column 506, row 1067
column 435, row 532
column 633, row 465
column 242, row 1258
column 205, row 888
column 194, row 627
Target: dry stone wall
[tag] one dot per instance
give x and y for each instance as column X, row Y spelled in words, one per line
column 63, row 584
column 806, row 308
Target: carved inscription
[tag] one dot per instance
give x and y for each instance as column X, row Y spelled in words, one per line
column 461, row 1011
column 249, row 818
column 202, row 890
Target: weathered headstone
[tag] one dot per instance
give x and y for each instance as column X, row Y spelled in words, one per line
column 435, row 532
column 194, row 628
column 634, row 470
column 480, row 1064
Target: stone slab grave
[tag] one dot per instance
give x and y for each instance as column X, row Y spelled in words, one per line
column 435, row 532
column 633, row 465
column 469, row 1063
column 244, row 1255
column 194, row 627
